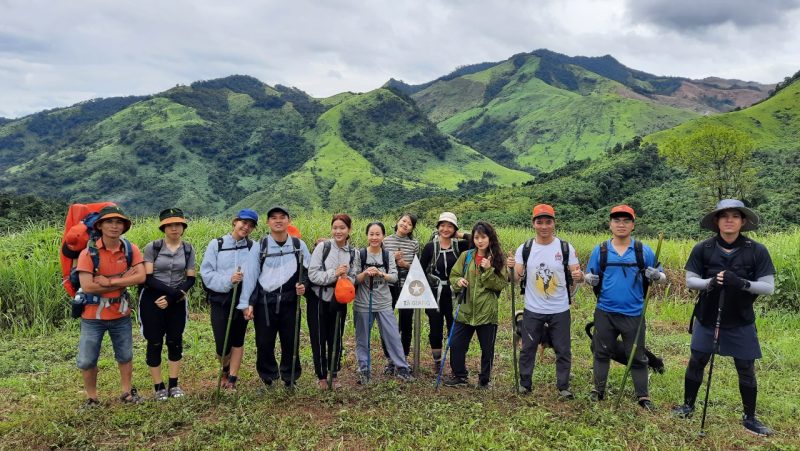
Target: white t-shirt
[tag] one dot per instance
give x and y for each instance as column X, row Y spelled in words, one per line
column 546, row 289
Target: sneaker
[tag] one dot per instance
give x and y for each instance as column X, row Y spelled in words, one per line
column 389, row 369
column 176, row 392
column 362, row 377
column 437, row 366
column 336, row 384
column 565, row 395
column 322, row 384
column 596, row 396
column 289, row 385
column 683, row 411
column 267, row 382
column 404, row 374
column 646, row 404
column 131, row 397
column 161, row 395
column 229, row 385
column 484, row 385
column 523, row 390
column 755, row 427
column 455, row 381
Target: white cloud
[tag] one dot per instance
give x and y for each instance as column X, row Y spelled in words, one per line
column 58, row 53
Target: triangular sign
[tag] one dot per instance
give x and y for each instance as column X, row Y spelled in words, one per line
column 416, row 292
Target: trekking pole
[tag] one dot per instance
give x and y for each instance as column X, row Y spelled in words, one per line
column 514, row 328
column 461, row 298
column 369, row 331
column 714, row 350
column 296, row 348
column 335, row 350
column 635, row 346
column 227, row 335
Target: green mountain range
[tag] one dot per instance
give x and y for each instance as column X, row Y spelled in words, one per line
column 218, row 145
column 634, row 173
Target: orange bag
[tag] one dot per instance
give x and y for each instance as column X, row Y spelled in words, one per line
column 345, row 291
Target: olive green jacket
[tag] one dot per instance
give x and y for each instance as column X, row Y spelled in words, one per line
column 485, row 285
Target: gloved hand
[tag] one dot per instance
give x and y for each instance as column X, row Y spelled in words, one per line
column 591, row 279
column 653, row 274
column 730, row 279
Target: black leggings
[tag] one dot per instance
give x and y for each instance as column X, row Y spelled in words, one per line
column 321, row 318
column 698, row 361
column 438, row 317
column 157, row 323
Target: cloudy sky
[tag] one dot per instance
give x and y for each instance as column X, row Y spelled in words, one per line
column 56, row 53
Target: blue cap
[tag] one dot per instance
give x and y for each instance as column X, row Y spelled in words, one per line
column 248, row 214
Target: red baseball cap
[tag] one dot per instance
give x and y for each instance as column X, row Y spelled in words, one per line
column 622, row 210
column 543, row 210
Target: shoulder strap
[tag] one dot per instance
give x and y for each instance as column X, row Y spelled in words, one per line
column 157, row 245
column 326, row 250
column 262, row 255
column 603, row 263
column 362, row 253
column 436, row 249
column 454, row 245
column 352, row 255
column 708, row 250
column 249, row 243
column 219, row 243
column 95, row 257
column 385, row 257
column 526, row 252
column 127, row 248
column 567, row 273
column 467, row 259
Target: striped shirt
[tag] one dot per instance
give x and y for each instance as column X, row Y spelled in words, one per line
column 410, row 248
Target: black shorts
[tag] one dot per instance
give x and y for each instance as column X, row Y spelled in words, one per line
column 219, row 321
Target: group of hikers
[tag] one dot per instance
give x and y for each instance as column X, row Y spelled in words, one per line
column 263, row 282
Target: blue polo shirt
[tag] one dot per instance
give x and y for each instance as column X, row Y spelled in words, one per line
column 622, row 285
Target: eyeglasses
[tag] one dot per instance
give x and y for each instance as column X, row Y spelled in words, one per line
column 626, row 221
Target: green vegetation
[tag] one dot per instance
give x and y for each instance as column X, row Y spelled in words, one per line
column 718, row 159
column 40, row 387
column 18, row 213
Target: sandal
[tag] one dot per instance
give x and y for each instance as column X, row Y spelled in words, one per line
column 91, row 403
column 131, row 397
column 176, row 392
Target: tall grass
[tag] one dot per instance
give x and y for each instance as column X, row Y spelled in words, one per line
column 33, row 301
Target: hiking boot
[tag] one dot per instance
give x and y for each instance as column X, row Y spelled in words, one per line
column 161, row 395
column 389, row 369
column 289, row 385
column 131, row 397
column 683, row 411
column 176, row 392
column 755, row 427
column 646, row 404
column 455, row 381
column 404, row 374
column 484, row 385
column 91, row 404
column 596, row 396
column 523, row 390
column 565, row 395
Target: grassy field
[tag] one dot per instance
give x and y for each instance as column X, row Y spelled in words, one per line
column 41, row 391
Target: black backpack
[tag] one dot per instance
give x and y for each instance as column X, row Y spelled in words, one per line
column 326, row 250
column 640, row 264
column 263, row 254
column 437, row 250
column 159, row 244
column 384, row 255
column 526, row 252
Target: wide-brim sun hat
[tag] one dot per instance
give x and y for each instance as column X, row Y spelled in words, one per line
column 172, row 216
column 750, row 216
column 448, row 217
column 112, row 211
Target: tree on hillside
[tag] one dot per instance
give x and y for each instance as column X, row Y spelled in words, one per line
column 718, row 159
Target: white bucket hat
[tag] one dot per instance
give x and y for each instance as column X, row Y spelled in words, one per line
column 448, row 217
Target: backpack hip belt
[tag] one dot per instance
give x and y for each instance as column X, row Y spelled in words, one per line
column 104, row 303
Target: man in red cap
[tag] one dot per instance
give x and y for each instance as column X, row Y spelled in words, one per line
column 620, row 270
column 540, row 264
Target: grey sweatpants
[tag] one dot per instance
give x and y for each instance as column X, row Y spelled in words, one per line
column 607, row 327
column 532, row 330
column 387, row 325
